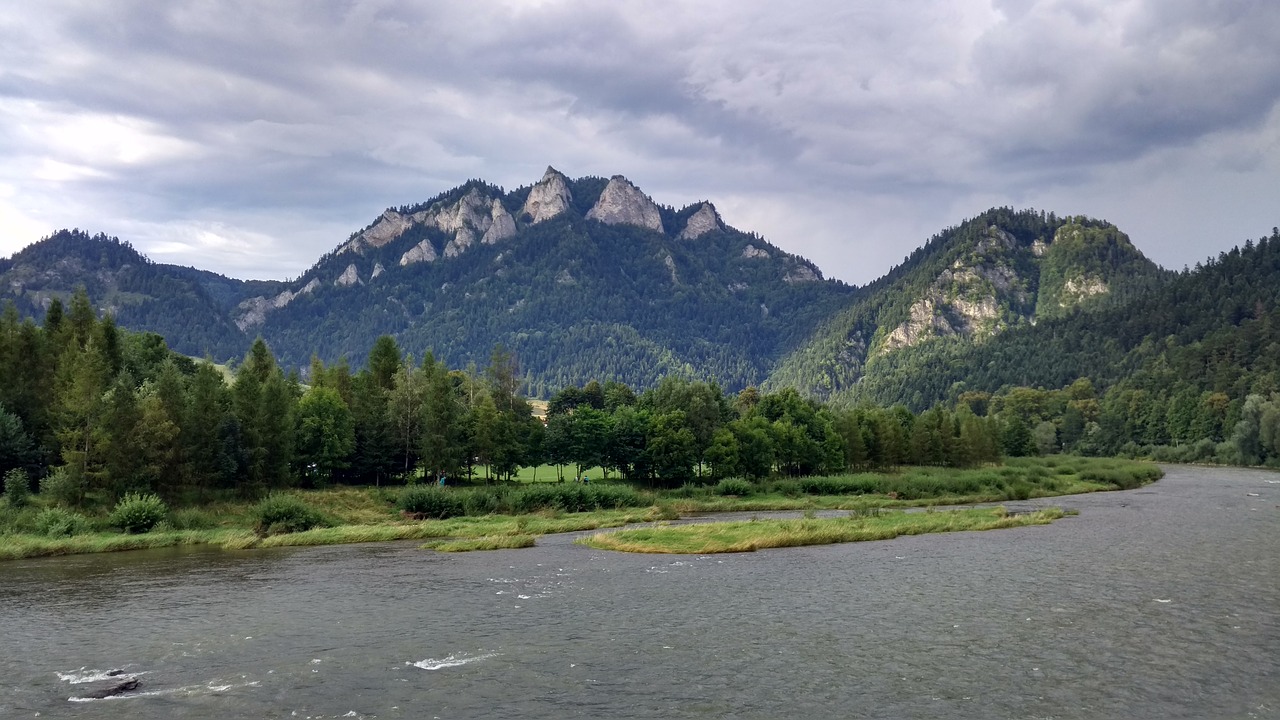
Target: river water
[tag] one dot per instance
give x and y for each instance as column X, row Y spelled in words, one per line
column 1161, row 602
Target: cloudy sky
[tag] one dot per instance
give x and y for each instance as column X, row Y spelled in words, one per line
column 250, row 137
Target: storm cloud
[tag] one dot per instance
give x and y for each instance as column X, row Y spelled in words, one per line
column 249, row 138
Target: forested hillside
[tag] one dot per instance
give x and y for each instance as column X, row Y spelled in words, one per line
column 191, row 307
column 965, row 289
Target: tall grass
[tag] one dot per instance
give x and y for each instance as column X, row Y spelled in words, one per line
column 706, row 538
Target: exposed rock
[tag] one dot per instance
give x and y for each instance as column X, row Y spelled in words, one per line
column 501, row 224
column 471, row 211
column 701, row 223
column 116, row 687
column 1039, row 247
column 622, row 203
column 377, row 270
column 564, row 278
column 751, row 251
column 925, row 322
column 388, row 227
column 738, row 287
column 670, row 264
column 465, row 238
column 764, row 310
column 254, row 310
column 422, row 252
column 548, row 198
column 801, row 273
column 350, row 276
column 1078, row 289
column 996, row 238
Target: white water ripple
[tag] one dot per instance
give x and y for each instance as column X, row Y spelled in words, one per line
column 453, row 660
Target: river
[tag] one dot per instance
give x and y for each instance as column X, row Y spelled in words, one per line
column 1161, row 602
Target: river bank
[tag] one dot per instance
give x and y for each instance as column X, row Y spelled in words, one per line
column 359, row 515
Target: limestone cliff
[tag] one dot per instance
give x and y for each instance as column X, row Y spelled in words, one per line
column 701, row 222
column 622, row 203
column 548, row 198
column 253, row 312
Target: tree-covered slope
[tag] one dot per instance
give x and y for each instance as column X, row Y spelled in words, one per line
column 966, row 288
column 608, row 286
column 189, row 307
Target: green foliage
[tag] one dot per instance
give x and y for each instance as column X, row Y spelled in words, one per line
column 281, row 513
column 62, row 486
column 138, row 513
column 432, row 502
column 60, row 522
column 734, row 486
column 17, row 487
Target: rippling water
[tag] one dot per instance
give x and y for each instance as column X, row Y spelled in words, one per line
column 1157, row 603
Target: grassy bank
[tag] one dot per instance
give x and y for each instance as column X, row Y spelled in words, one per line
column 748, row 536
column 363, row 514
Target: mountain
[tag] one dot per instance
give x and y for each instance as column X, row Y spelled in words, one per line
column 189, row 307
column 966, row 287
column 581, row 279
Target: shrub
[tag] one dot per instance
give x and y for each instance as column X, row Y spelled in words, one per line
column 58, row 522
column 137, row 513
column 17, row 487
column 279, row 514
column 61, row 486
column 430, row 501
column 734, row 486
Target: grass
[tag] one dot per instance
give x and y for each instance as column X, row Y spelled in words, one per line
column 368, row 514
column 488, row 542
column 749, row 536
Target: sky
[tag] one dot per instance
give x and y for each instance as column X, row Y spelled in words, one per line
column 249, row 138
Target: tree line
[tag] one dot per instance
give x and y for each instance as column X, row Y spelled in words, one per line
column 94, row 412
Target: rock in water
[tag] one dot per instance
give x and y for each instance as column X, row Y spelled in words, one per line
column 116, row 688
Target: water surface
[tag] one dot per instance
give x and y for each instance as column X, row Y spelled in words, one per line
column 1154, row 603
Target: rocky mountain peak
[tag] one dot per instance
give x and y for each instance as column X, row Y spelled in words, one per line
column 622, row 203
column 701, row 222
column 549, row 197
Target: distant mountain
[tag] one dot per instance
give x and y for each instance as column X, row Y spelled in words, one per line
column 968, row 285
column 590, row 279
column 190, row 308
column 582, row 279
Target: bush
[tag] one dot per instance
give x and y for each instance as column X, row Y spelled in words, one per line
column 61, row 486
column 17, row 487
column 279, row 514
column 57, row 522
column 137, row 513
column 734, row 486
column 431, row 501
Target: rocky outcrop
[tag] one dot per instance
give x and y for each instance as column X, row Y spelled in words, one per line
column 548, row 198
column 501, row 224
column 422, row 252
column 751, row 251
column 622, row 203
column 253, row 312
column 925, row 323
column 377, row 270
column 701, row 222
column 350, row 276
column 670, row 264
column 465, row 238
column 800, row 274
column 1078, row 289
column 387, row 228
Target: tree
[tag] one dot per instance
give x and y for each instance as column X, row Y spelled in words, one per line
column 443, row 451
column 405, row 403
column 17, row 451
column 325, row 435
column 672, row 448
column 722, row 454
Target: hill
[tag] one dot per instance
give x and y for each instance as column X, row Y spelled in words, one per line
column 964, row 289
